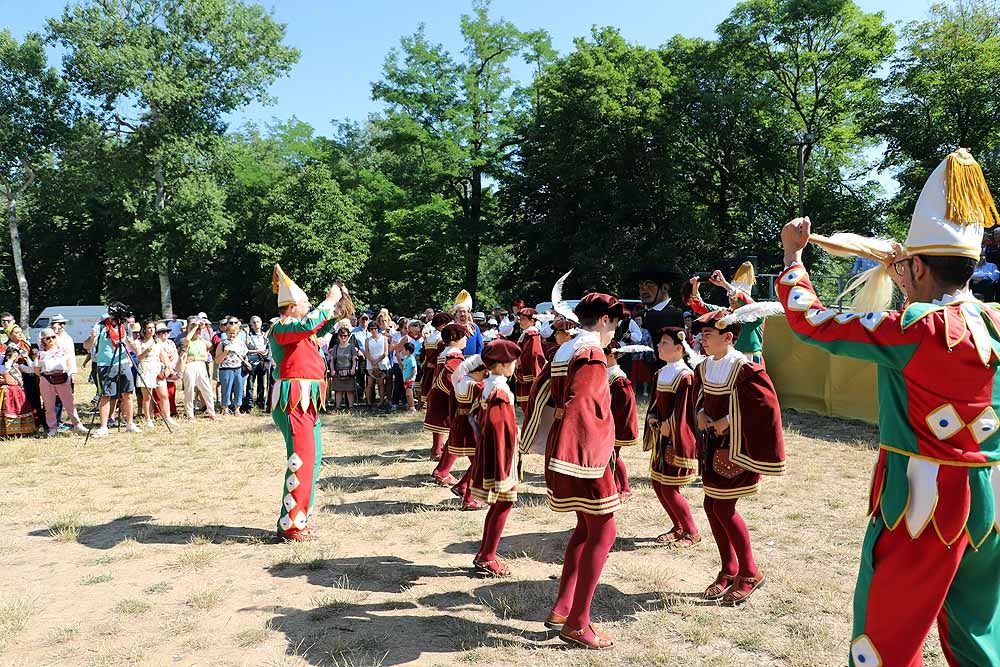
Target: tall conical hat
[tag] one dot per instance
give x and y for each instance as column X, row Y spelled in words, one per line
column 288, row 292
column 463, row 300
column 952, row 210
column 745, row 278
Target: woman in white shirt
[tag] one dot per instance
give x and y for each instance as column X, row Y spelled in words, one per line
column 150, row 376
column 54, row 370
column 377, row 356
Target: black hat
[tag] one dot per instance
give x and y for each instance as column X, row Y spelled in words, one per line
column 658, row 274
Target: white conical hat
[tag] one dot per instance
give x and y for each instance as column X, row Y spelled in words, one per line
column 288, row 292
column 952, row 210
column 463, row 300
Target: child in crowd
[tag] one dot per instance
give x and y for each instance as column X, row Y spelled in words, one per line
column 670, row 435
column 409, row 364
column 495, row 469
column 740, row 421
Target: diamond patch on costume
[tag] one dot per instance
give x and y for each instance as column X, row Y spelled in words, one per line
column 985, row 425
column 872, row 320
column 816, row 317
column 285, row 522
column 945, row 422
column 294, row 462
column 300, row 520
column 289, row 502
column 864, row 653
column 844, row 318
column 292, row 482
column 793, row 277
column 799, row 298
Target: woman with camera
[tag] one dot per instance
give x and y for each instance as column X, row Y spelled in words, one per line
column 231, row 357
column 16, row 416
column 343, row 361
column 194, row 360
column 54, row 369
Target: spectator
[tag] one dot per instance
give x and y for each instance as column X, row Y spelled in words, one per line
column 409, row 373
column 151, row 379
column 342, row 362
column 194, row 360
column 112, row 342
column 25, row 364
column 861, row 264
column 377, row 360
column 65, row 342
column 359, row 335
column 397, row 337
column 171, row 361
column 231, row 357
column 53, row 367
column 984, row 279
column 991, row 244
column 7, row 323
column 258, row 354
column 16, row 415
column 175, row 327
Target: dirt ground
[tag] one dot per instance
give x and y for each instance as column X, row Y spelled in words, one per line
column 155, row 549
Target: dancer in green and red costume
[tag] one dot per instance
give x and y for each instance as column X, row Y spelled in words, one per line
column 299, row 373
column 751, row 340
column 932, row 549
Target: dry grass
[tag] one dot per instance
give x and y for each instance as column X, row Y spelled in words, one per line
column 157, row 550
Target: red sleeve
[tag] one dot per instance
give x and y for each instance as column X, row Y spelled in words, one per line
column 685, row 439
column 757, row 441
column 697, row 305
column 624, row 409
column 539, row 398
column 500, row 430
column 532, row 357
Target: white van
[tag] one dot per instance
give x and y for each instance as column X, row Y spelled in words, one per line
column 80, row 321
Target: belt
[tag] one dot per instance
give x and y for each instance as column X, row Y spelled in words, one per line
column 558, row 413
column 463, row 411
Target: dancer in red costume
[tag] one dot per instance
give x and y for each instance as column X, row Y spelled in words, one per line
column 670, row 435
column 439, row 401
column 532, row 357
column 577, row 466
column 432, row 352
column 623, row 411
column 740, row 421
column 497, row 460
column 467, row 389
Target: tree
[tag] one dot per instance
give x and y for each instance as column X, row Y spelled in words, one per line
column 165, row 72
column 461, row 115
column 35, row 111
column 819, row 58
column 942, row 93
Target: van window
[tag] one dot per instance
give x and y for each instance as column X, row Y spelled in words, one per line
column 40, row 323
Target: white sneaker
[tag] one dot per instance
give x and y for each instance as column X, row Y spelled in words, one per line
column 79, row 428
column 171, row 422
column 133, row 428
column 150, row 424
column 51, row 433
column 101, row 432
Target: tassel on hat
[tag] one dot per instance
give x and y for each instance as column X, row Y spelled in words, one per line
column 969, row 201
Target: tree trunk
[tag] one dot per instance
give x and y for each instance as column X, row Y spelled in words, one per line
column 473, row 240
column 15, row 246
column 166, row 298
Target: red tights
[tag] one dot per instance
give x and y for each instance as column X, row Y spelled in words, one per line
column 731, row 536
column 496, row 518
column 586, row 554
column 437, row 448
column 677, row 508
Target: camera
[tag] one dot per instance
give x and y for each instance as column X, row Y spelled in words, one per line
column 702, row 277
column 119, row 311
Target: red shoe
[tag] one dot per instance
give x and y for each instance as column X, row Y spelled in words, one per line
column 472, row 504
column 448, row 481
column 296, row 535
column 742, row 589
column 577, row 638
column 555, row 621
column 494, row 568
column 720, row 586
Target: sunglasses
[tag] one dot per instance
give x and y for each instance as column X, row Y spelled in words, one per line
column 233, row 322
column 49, row 338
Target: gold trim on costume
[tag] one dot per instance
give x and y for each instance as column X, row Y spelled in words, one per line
column 944, row 462
column 575, row 470
column 729, row 494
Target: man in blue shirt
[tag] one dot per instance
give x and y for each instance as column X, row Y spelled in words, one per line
column 984, row 279
column 463, row 315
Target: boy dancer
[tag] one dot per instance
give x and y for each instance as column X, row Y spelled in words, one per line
column 740, row 421
column 532, row 358
column 438, row 417
column 670, row 436
column 467, row 389
column 577, row 465
column 497, row 461
column 432, row 350
column 623, row 411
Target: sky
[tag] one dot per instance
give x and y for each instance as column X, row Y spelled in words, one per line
column 344, row 42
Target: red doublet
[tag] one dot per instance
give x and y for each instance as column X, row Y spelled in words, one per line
column 464, row 401
column 673, row 459
column 539, row 414
column 581, row 441
column 495, row 471
column 438, row 416
column 753, row 445
column 530, row 363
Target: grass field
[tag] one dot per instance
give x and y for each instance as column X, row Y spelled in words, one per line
column 155, row 549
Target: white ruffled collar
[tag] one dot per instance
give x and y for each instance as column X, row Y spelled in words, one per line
column 582, row 340
column 497, row 384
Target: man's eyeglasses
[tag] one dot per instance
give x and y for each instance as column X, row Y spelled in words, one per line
column 898, row 266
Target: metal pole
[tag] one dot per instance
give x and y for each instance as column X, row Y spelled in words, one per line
column 802, row 177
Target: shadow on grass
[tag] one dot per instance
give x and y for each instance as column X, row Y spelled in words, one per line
column 356, row 483
column 832, row 429
column 375, row 574
column 543, row 547
column 140, row 529
column 388, row 507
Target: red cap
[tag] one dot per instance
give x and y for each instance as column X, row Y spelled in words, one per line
column 453, row 332
column 500, row 351
column 518, row 304
column 527, row 312
column 563, row 324
column 676, row 334
column 440, row 319
column 596, row 304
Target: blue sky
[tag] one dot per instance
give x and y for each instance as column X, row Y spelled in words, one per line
column 344, row 42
